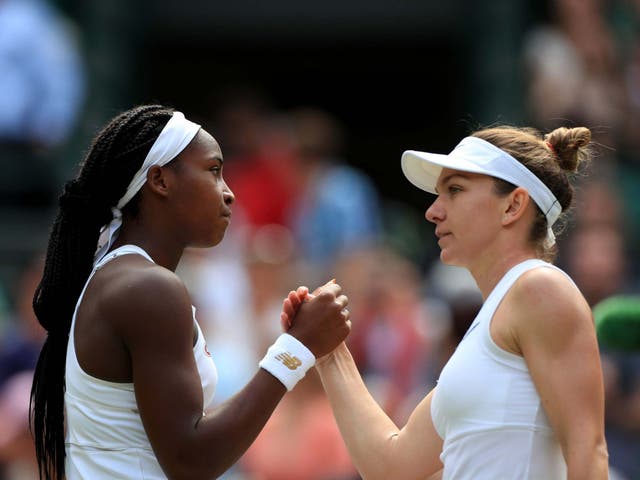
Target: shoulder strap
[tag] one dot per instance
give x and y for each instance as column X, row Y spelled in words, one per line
column 123, row 250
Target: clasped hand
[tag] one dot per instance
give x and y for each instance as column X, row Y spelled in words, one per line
column 320, row 319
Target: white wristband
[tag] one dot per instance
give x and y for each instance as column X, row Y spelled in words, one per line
column 288, row 360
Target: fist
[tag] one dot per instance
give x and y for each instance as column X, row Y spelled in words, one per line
column 320, row 319
column 291, row 305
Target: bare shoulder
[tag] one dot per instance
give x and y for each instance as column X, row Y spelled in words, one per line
column 547, row 289
column 135, row 290
column 549, row 304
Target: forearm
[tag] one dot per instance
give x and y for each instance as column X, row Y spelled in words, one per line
column 588, row 463
column 367, row 430
column 222, row 436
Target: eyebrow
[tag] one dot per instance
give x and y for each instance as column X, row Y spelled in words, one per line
column 449, row 177
column 214, row 158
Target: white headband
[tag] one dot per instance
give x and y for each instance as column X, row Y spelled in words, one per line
column 173, row 139
column 475, row 155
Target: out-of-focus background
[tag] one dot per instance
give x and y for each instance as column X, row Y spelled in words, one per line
column 313, row 104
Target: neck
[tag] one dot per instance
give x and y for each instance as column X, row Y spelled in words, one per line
column 164, row 249
column 490, row 268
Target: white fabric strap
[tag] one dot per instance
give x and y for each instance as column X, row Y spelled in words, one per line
column 288, row 360
column 516, row 173
column 173, row 139
column 507, row 168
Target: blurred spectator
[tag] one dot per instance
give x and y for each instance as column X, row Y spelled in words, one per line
column 627, row 186
column 21, row 341
column 256, row 266
column 599, row 203
column 338, row 209
column 393, row 332
column 582, row 66
column 622, row 411
column 596, row 260
column 460, row 301
column 574, row 70
column 595, row 256
column 241, row 112
column 263, row 172
column 596, row 253
column 19, row 349
column 17, row 453
column 585, row 68
column 41, row 90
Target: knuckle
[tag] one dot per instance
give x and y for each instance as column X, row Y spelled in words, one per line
column 326, row 295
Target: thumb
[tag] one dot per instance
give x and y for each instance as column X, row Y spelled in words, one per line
column 315, row 292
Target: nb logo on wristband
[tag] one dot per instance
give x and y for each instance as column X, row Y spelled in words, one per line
column 289, row 360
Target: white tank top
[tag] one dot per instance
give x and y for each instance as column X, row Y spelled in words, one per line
column 105, row 437
column 487, row 410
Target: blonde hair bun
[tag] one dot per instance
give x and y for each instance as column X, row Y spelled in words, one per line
column 570, row 145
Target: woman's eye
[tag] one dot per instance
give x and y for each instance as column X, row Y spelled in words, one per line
column 454, row 189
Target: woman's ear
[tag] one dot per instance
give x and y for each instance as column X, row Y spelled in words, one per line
column 157, row 180
column 516, row 204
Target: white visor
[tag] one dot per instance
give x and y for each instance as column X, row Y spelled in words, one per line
column 475, row 155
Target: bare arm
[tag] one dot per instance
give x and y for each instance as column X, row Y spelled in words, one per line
column 156, row 327
column 555, row 332
column 378, row 448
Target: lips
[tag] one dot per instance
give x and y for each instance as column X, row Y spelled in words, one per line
column 226, row 216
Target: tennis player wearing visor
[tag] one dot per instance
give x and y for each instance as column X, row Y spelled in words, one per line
column 522, row 396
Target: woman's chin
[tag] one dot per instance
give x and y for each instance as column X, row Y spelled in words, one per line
column 212, row 241
column 448, row 259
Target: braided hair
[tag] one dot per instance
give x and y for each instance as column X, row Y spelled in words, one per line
column 116, row 153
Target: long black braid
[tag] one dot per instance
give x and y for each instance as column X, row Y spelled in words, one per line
column 116, row 153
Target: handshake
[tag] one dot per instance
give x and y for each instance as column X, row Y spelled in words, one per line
column 320, row 320
column 314, row 325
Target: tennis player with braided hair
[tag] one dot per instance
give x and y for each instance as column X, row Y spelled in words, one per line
column 125, row 367
column 522, row 396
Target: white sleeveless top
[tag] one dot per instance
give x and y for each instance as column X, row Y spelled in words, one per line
column 105, row 437
column 487, row 410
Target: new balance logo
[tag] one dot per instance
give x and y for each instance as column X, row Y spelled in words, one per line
column 289, row 360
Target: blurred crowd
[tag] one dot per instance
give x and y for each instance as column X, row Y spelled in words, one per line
column 584, row 67
column 304, row 214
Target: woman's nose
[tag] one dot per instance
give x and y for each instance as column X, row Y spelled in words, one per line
column 434, row 213
column 228, row 195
